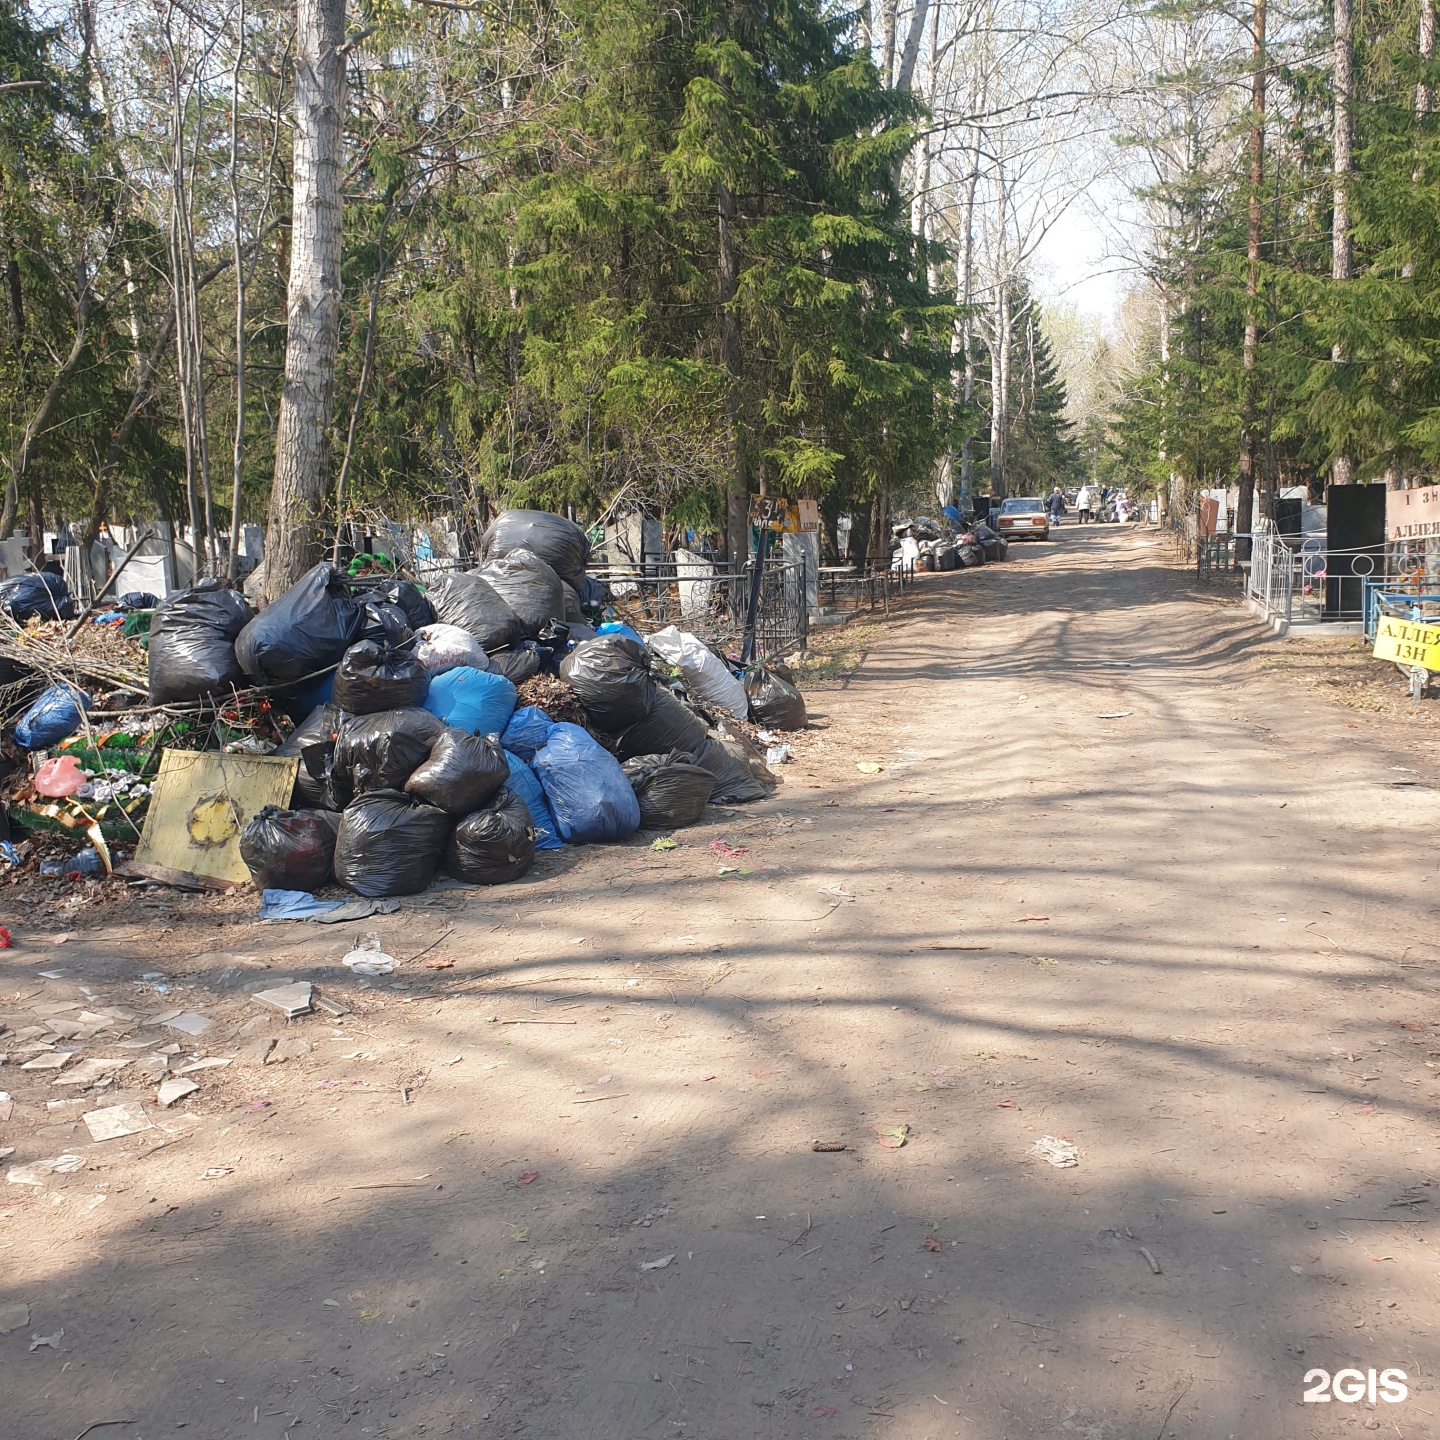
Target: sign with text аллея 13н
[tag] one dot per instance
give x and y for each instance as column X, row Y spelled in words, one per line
column 1408, row 643
column 1412, row 514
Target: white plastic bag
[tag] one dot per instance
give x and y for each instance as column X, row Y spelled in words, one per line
column 447, row 647
column 367, row 958
column 704, row 671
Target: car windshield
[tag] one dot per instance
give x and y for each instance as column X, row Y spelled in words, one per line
column 1022, row 507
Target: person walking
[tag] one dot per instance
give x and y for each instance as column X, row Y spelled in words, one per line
column 1056, row 505
column 1084, row 503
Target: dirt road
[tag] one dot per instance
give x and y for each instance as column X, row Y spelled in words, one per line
column 1113, row 883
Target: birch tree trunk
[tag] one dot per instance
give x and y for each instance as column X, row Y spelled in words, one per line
column 302, row 438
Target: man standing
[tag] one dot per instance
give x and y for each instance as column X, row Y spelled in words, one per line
column 1056, row 505
column 1084, row 503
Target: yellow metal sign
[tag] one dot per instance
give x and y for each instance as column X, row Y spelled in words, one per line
column 1408, row 643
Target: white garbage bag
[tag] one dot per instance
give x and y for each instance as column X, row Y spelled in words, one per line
column 704, row 671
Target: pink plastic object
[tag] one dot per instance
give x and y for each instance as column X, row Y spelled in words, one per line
column 59, row 777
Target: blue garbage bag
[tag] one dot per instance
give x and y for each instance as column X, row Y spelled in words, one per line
column 51, row 718
column 590, row 794
column 524, row 784
column 527, row 732
column 614, row 627
column 472, row 700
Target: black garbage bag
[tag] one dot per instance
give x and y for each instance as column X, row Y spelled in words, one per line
column 671, row 725
column 970, row 553
column 559, row 542
column 463, row 772
column 137, row 600
column 594, row 594
column 290, row 849
column 313, row 740
column 386, row 624
column 774, row 700
column 306, row 629
column 610, row 676
column 672, row 789
column 389, row 844
column 572, row 602
column 375, row 677
column 380, row 752
column 471, row 603
column 528, row 586
column 419, row 612
column 45, row 595
column 519, row 662
column 192, row 642
column 493, row 845
column 736, row 779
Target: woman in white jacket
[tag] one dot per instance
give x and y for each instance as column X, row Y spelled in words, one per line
column 1084, row 503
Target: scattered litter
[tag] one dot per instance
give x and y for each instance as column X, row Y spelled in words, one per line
column 869, row 767
column 1115, row 715
column 331, row 1007
column 1024, row 918
column 726, row 851
column 13, row 1317
column 189, row 1023
column 439, row 963
column 838, row 893
column 53, row 1341
column 664, row 843
column 294, row 905
column 292, row 1000
column 1150, row 1260
column 218, row 1172
column 53, row 974
column 891, row 1137
column 172, row 1090
column 779, row 754
column 116, row 1121
column 659, row 1264
column 822, row 1412
column 827, row 1147
column 933, row 1244
column 529, row 1177
column 1060, row 1153
column 367, row 958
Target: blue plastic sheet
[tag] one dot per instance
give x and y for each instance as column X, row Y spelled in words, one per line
column 51, row 718
column 527, row 732
column 524, row 784
column 472, row 700
column 294, row 905
column 590, row 794
column 614, row 627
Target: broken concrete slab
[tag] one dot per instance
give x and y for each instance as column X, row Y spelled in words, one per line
column 212, row 1062
column 290, row 1000
column 50, row 1060
column 172, row 1090
column 92, row 1072
column 7, row 1106
column 256, row 1052
column 13, row 1317
column 188, row 1023
column 117, row 1121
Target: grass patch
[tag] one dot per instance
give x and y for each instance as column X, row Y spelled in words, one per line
column 837, row 652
